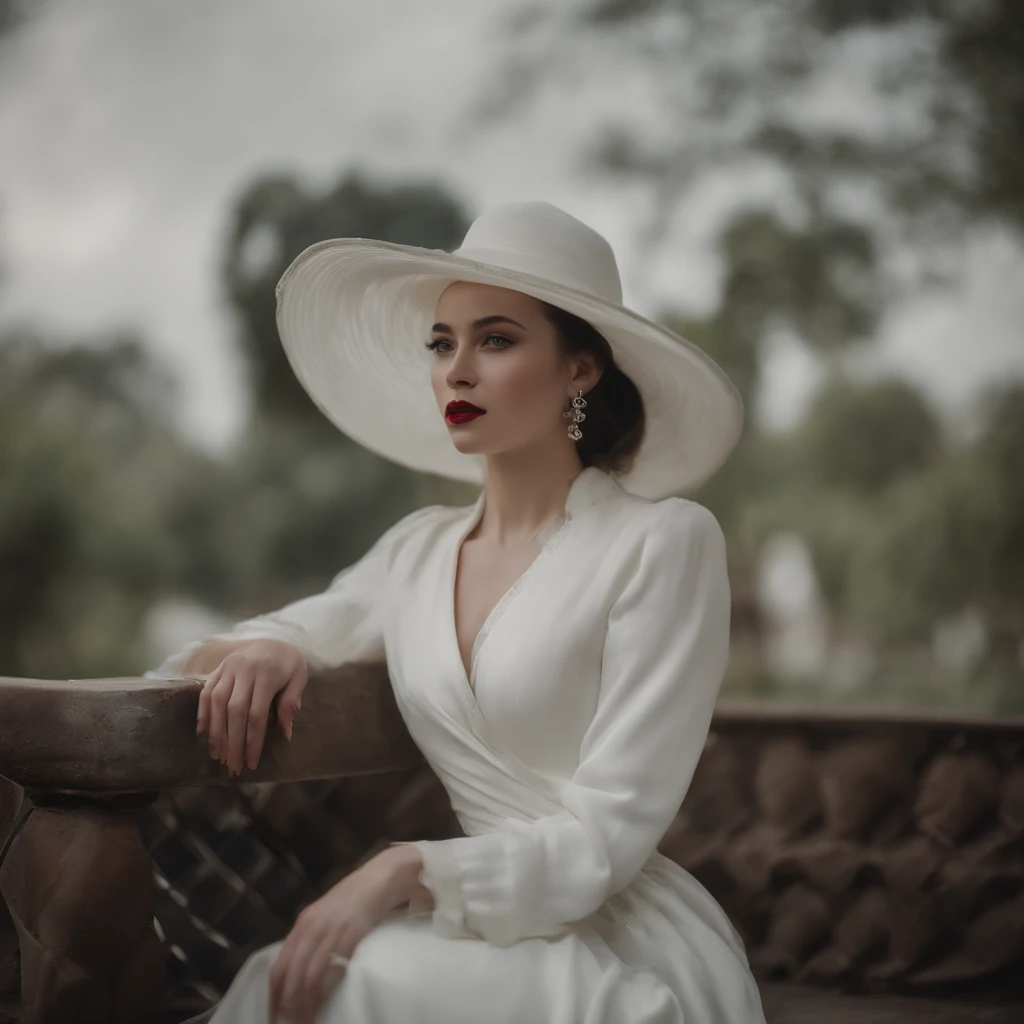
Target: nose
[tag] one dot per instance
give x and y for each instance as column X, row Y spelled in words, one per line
column 460, row 372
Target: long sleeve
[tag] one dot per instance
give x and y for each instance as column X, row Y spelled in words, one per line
column 341, row 624
column 664, row 657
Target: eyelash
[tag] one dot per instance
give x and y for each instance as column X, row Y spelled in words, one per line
column 432, row 345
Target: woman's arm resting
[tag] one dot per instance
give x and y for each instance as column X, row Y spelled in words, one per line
column 343, row 623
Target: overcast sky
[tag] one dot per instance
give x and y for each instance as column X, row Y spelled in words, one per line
column 128, row 126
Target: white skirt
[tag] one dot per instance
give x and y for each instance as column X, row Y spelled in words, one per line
column 402, row 972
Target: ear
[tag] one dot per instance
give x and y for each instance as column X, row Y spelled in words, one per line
column 586, row 371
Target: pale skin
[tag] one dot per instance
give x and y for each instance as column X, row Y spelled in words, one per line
column 511, row 367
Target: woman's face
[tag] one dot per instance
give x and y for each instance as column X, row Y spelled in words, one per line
column 494, row 349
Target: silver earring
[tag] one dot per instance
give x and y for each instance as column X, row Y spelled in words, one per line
column 577, row 414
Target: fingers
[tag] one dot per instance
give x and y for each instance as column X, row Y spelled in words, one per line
column 218, row 713
column 238, row 718
column 275, row 979
column 321, row 975
column 295, row 1000
column 290, row 699
column 203, row 715
column 259, row 715
column 236, row 699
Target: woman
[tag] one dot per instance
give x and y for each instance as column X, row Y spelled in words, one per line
column 555, row 649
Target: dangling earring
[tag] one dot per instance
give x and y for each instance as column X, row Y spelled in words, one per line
column 578, row 415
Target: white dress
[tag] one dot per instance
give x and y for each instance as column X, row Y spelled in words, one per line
column 566, row 755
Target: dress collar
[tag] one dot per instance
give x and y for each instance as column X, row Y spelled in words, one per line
column 590, row 487
column 593, row 485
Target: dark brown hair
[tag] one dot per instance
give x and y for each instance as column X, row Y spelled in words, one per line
column 616, row 419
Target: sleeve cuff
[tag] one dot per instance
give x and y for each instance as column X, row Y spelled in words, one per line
column 440, row 874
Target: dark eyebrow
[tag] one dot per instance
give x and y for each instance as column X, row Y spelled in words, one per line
column 482, row 322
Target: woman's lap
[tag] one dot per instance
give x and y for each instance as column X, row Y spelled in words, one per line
column 403, row 972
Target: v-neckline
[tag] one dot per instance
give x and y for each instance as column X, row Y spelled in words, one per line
column 553, row 533
column 590, row 485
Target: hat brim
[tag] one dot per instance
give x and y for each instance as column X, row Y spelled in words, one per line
column 354, row 315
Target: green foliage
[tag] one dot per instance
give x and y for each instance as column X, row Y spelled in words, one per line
column 281, row 516
column 274, row 219
column 81, row 552
column 863, row 438
column 299, row 500
column 104, row 510
column 931, row 551
column 944, row 150
column 818, row 280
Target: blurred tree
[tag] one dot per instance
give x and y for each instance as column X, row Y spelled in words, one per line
column 735, row 85
column 83, row 462
column 819, row 282
column 887, row 129
column 776, row 277
column 275, row 219
column 980, row 45
column 298, row 500
column 865, row 437
column 929, row 554
column 104, row 509
column 1001, row 450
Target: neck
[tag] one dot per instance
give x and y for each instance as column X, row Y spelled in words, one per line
column 524, row 490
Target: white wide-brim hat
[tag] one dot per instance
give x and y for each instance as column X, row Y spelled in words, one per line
column 354, row 315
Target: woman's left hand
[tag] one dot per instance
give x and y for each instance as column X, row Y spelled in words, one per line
column 336, row 923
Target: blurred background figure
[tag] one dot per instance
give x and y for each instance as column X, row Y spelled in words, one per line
column 826, row 195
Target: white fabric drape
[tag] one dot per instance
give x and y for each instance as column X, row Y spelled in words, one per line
column 664, row 656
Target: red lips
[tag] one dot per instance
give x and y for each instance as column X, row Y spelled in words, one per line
column 462, row 412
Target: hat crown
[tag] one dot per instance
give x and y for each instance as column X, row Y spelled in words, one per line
column 540, row 239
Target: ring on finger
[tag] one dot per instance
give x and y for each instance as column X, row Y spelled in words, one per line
column 337, row 960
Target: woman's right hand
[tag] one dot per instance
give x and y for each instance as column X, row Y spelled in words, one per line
column 234, row 705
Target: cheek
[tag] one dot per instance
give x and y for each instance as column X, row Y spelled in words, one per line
column 526, row 384
column 437, row 379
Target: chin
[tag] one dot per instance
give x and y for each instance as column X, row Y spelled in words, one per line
column 469, row 449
